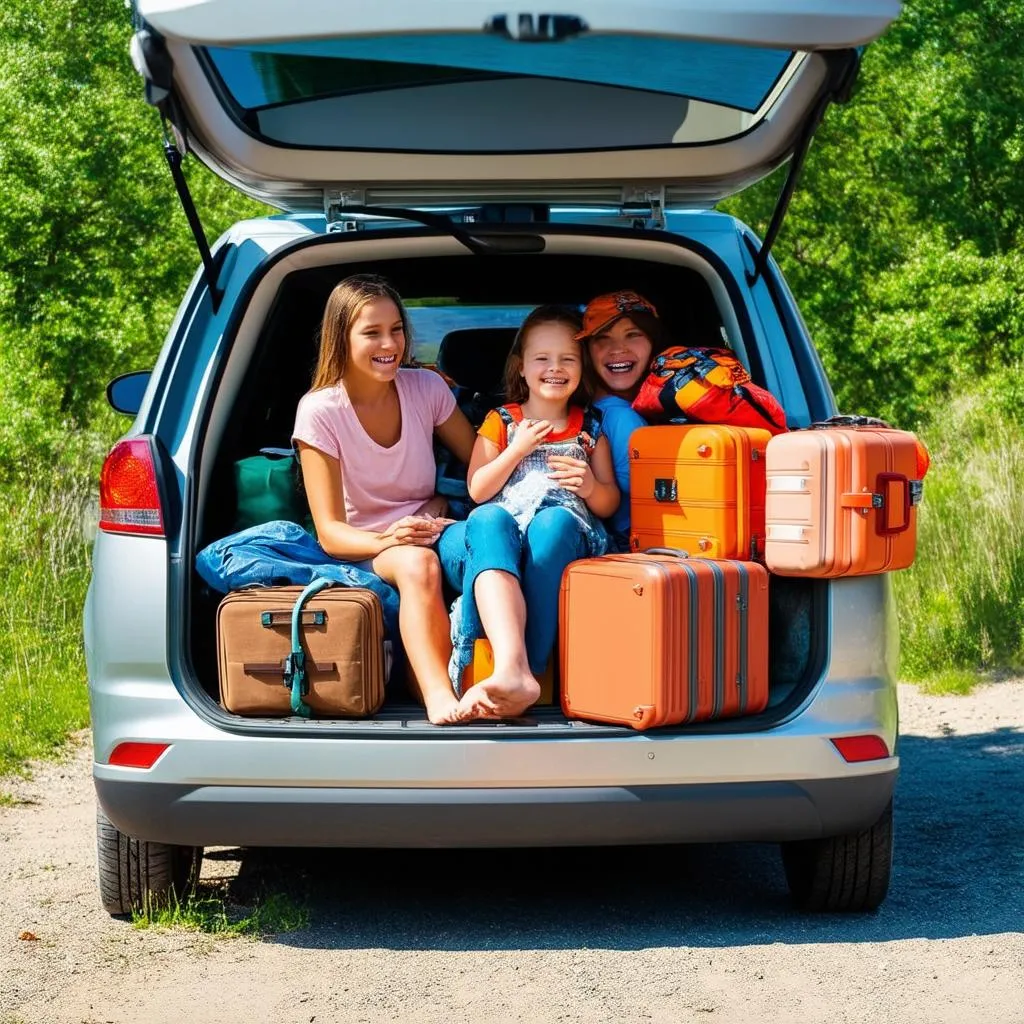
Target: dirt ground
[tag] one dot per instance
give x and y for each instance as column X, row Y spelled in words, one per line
column 666, row 934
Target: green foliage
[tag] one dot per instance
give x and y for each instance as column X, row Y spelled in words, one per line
column 95, row 252
column 211, row 914
column 44, row 569
column 961, row 604
column 901, row 241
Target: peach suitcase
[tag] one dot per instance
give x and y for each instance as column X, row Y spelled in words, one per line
column 685, row 639
column 842, row 500
column 698, row 488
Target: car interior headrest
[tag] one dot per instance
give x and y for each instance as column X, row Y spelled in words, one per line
column 474, row 357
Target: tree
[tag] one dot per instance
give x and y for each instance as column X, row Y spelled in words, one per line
column 900, row 243
column 94, row 250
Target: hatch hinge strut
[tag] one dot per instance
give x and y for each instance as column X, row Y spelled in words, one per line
column 335, row 202
column 842, row 72
column 645, row 206
column 211, row 267
column 153, row 63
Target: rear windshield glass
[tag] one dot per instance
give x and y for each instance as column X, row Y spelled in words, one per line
column 464, row 94
column 430, row 323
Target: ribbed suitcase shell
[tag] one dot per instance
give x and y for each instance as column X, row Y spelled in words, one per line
column 344, row 647
column 841, row 501
column 698, row 488
column 651, row 640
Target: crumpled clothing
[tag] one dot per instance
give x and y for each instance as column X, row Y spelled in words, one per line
column 529, row 488
column 463, row 640
column 279, row 554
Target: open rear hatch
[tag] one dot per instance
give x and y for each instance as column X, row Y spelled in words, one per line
column 437, row 104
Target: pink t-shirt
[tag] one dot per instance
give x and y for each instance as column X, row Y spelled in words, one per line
column 381, row 484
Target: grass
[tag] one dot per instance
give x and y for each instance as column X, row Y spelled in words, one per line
column 272, row 914
column 44, row 564
column 961, row 605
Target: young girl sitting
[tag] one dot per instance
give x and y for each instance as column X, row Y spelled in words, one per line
column 364, row 434
column 543, row 483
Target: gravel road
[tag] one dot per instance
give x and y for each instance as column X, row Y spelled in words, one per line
column 553, row 935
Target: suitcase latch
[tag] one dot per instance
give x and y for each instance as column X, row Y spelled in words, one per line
column 295, row 664
column 666, row 489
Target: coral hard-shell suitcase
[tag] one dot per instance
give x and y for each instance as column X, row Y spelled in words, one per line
column 699, row 488
column 338, row 632
column 842, row 499
column 684, row 639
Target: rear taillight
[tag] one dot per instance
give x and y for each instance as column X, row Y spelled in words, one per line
column 129, row 495
column 137, row 755
column 861, row 748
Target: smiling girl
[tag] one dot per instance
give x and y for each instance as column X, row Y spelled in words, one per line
column 622, row 332
column 364, row 434
column 544, row 484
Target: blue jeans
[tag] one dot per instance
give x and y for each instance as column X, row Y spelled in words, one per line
column 490, row 539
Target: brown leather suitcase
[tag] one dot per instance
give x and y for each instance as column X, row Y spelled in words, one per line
column 699, row 488
column 842, row 499
column 650, row 639
column 341, row 668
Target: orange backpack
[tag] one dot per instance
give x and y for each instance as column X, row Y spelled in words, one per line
column 706, row 385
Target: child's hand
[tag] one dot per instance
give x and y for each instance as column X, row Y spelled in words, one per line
column 573, row 474
column 528, row 435
column 418, row 530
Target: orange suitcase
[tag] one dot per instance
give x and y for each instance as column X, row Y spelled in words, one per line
column 699, row 489
column 482, row 666
column 686, row 639
column 842, row 500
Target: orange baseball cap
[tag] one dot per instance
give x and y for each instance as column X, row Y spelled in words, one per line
column 603, row 311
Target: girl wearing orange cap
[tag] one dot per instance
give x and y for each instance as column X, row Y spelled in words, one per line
column 622, row 332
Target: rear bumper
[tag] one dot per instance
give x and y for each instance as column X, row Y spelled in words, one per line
column 579, row 816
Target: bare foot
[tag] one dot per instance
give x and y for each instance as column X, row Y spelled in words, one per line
column 500, row 697
column 443, row 709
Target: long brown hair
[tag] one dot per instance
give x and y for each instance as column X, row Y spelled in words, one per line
column 343, row 306
column 515, row 385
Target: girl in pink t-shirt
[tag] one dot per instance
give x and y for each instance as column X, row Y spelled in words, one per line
column 364, row 434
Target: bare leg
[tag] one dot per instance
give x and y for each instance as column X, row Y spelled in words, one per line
column 512, row 688
column 423, row 623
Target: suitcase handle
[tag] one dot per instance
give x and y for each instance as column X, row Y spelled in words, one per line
column 865, row 501
column 886, row 527
column 283, row 617
column 849, row 421
column 674, row 552
column 295, row 664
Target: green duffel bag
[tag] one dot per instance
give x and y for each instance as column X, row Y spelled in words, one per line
column 267, row 486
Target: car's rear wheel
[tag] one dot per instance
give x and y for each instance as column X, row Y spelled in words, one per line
column 137, row 875
column 842, row 873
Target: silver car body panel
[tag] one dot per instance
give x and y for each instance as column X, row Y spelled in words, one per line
column 227, row 780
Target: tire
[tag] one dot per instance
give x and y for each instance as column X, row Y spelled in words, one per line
column 137, row 875
column 842, row 873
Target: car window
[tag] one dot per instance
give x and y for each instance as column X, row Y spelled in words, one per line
column 430, row 323
column 459, row 93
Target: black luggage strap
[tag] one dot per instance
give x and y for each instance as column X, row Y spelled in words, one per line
column 295, row 664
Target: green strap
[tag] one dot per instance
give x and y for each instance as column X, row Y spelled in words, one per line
column 295, row 663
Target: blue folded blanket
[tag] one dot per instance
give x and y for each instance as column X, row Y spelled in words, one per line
column 278, row 554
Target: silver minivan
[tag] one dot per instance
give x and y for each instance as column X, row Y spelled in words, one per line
column 485, row 162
